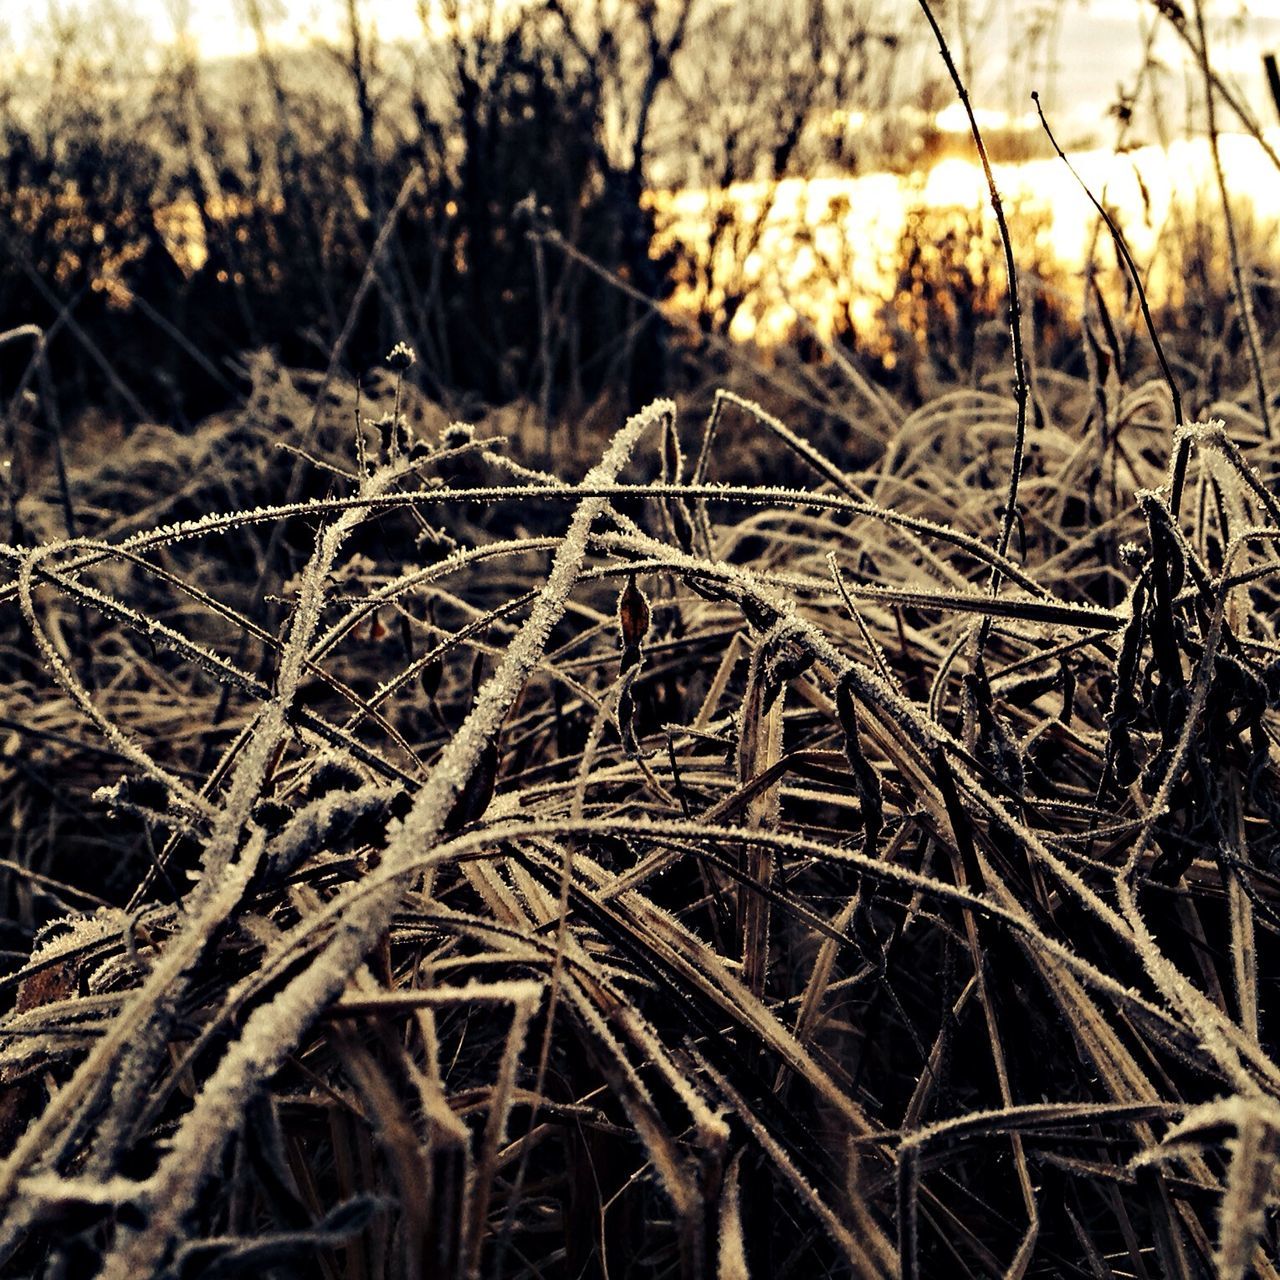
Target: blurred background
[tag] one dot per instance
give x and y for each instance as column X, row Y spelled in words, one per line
column 569, row 206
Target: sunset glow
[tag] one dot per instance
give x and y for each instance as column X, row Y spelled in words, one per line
column 858, row 223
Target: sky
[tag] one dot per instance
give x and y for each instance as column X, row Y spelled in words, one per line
column 218, row 27
column 1097, row 45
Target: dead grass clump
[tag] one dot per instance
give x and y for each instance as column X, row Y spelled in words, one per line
column 456, row 870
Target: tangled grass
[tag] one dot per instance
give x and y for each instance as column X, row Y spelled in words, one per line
column 646, row 874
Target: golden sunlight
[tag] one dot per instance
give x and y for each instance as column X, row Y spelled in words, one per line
column 807, row 226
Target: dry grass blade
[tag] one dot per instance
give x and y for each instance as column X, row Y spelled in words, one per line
column 1253, row 1125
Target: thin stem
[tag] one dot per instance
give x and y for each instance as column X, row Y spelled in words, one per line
column 1183, row 445
column 1020, row 384
column 1244, row 295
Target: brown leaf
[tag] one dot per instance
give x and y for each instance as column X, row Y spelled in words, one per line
column 633, row 615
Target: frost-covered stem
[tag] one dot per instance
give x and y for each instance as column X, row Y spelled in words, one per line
column 754, row 496
column 273, row 1031
column 29, row 568
column 815, row 459
column 22, row 331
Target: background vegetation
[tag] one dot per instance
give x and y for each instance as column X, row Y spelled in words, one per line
column 282, row 170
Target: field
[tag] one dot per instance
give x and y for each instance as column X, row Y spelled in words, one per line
column 802, row 827
column 647, row 870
